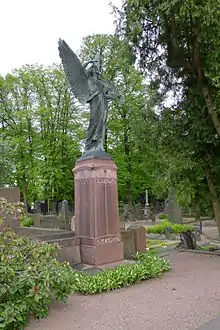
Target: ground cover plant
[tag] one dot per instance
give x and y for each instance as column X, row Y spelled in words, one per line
column 167, row 225
column 31, row 278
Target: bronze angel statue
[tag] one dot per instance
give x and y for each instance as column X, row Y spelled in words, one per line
column 88, row 86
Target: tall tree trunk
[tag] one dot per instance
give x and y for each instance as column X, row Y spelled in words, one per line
column 211, row 110
column 214, row 196
column 202, row 79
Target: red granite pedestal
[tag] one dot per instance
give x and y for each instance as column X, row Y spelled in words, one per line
column 97, row 220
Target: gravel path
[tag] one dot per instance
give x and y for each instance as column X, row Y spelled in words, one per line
column 184, row 298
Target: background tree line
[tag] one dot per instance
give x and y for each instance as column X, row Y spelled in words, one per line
column 177, row 45
column 161, row 50
column 43, row 128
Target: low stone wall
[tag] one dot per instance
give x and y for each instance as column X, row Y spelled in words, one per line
column 36, row 232
column 134, row 240
column 69, row 249
column 50, row 221
column 68, row 242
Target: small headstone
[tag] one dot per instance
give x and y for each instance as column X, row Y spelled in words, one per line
column 128, row 241
column 172, row 209
column 139, row 233
column 59, row 207
column 37, row 219
column 54, row 208
column 139, row 212
column 128, row 213
column 37, row 206
column 64, row 211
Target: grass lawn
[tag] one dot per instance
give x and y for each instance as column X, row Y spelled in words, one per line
column 151, row 243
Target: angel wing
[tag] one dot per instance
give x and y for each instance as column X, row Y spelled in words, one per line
column 74, row 72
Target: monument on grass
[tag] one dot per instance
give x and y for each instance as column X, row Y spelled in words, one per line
column 172, row 208
column 147, row 211
column 96, row 201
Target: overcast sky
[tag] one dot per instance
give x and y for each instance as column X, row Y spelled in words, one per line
column 30, row 29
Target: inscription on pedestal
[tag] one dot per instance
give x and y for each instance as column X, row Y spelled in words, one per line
column 108, row 240
column 105, row 180
column 98, row 180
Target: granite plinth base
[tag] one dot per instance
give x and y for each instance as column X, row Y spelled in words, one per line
column 104, row 250
column 97, row 220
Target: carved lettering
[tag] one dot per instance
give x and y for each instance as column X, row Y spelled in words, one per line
column 108, row 240
column 98, row 180
column 106, row 180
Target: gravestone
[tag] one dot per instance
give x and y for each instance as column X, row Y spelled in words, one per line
column 59, row 204
column 44, row 208
column 54, row 208
column 128, row 240
column 64, row 210
column 12, row 195
column 139, row 234
column 159, row 206
column 37, row 206
column 37, row 219
column 139, row 212
column 128, row 212
column 172, row 209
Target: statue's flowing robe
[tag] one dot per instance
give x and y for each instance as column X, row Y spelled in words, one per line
column 98, row 101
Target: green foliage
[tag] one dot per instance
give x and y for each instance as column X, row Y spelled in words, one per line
column 172, row 227
column 30, row 277
column 178, row 44
column 26, row 221
column 40, row 123
column 6, row 162
column 147, row 266
column 9, row 208
column 163, row 216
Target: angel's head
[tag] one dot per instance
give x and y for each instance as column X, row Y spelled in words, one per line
column 93, row 71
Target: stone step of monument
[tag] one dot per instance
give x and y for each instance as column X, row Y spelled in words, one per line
column 56, row 237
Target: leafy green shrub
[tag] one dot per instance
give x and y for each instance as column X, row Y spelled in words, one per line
column 163, row 216
column 25, row 221
column 9, row 208
column 147, row 266
column 166, row 224
column 14, row 209
column 30, row 277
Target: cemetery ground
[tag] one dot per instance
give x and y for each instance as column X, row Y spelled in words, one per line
column 184, row 298
column 180, row 298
